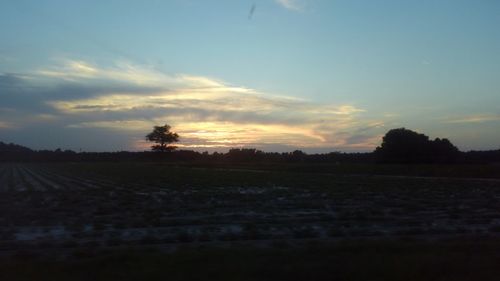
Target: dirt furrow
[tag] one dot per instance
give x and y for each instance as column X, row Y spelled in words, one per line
column 19, row 184
column 99, row 182
column 34, row 182
column 4, row 174
column 75, row 182
column 44, row 181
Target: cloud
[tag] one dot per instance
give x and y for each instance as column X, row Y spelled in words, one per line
column 5, row 125
column 478, row 118
column 77, row 70
column 290, row 4
column 129, row 99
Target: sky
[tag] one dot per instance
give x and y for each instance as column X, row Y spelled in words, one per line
column 277, row 75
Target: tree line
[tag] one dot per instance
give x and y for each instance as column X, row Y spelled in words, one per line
column 400, row 146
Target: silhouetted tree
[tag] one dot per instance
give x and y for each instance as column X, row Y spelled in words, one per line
column 406, row 146
column 297, row 155
column 244, row 154
column 163, row 137
column 443, row 151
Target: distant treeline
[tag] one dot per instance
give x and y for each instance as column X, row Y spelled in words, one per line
column 13, row 152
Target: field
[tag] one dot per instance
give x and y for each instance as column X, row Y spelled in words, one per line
column 119, row 204
column 61, row 209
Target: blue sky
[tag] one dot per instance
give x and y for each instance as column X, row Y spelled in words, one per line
column 273, row 74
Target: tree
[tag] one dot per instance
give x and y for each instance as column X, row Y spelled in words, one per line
column 403, row 146
column 163, row 137
column 406, row 146
column 444, row 151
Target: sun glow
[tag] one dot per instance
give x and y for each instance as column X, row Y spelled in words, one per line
column 206, row 112
column 228, row 134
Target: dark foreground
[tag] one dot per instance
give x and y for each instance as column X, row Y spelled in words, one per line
column 143, row 221
column 347, row 260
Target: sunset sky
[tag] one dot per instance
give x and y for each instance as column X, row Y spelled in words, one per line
column 278, row 75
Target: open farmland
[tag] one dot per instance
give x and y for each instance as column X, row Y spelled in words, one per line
column 70, row 205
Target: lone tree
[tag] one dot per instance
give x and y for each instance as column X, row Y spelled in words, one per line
column 163, row 137
column 406, row 146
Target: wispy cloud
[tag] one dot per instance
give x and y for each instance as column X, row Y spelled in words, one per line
column 478, row 118
column 78, row 70
column 5, row 125
column 290, row 4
